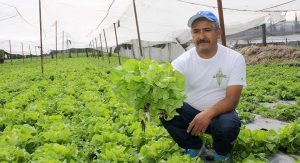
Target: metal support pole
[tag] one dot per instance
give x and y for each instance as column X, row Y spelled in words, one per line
column 87, row 51
column 106, row 46
column 169, row 51
column 10, row 56
column 41, row 36
column 132, row 49
column 96, row 48
column 180, row 43
column 23, row 52
column 221, row 19
column 93, row 48
column 30, row 53
column 264, row 37
column 150, row 52
column 101, row 47
column 90, row 47
column 137, row 28
column 56, row 42
column 63, row 44
column 68, row 47
column 117, row 44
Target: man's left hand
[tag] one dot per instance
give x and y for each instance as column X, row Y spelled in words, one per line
column 200, row 123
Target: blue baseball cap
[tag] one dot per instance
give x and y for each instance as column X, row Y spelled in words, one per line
column 204, row 14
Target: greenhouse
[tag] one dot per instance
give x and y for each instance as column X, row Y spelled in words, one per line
column 150, row 81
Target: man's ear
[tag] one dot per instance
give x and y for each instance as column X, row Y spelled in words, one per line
column 219, row 33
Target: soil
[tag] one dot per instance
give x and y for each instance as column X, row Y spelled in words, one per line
column 260, row 55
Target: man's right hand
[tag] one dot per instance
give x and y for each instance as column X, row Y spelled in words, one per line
column 200, row 123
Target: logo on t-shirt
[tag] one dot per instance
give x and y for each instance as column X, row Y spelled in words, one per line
column 219, row 76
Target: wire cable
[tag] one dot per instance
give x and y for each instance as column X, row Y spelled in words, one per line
column 3, row 19
column 234, row 9
column 107, row 12
column 16, row 11
column 278, row 5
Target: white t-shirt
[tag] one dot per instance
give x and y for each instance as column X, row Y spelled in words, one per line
column 207, row 79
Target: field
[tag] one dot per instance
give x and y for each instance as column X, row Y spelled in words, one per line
column 71, row 114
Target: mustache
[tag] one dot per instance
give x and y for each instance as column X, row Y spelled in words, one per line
column 202, row 41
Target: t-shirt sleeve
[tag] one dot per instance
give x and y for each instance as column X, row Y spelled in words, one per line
column 238, row 74
column 178, row 65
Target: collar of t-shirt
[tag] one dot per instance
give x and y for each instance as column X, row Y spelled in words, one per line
column 195, row 54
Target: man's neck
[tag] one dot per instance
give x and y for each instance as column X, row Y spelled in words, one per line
column 207, row 55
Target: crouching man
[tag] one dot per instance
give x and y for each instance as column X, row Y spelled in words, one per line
column 215, row 77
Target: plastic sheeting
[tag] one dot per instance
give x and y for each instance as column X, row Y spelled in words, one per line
column 159, row 52
column 159, row 20
column 167, row 20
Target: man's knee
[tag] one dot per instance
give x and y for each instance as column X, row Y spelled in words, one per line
column 226, row 125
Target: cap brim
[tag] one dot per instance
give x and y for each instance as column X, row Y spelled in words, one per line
column 193, row 18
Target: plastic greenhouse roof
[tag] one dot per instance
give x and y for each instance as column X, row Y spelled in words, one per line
column 159, row 20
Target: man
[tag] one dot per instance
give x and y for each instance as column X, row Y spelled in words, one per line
column 215, row 76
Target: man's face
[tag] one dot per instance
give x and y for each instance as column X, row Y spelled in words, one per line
column 205, row 36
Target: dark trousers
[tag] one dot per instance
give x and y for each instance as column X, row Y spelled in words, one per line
column 223, row 128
